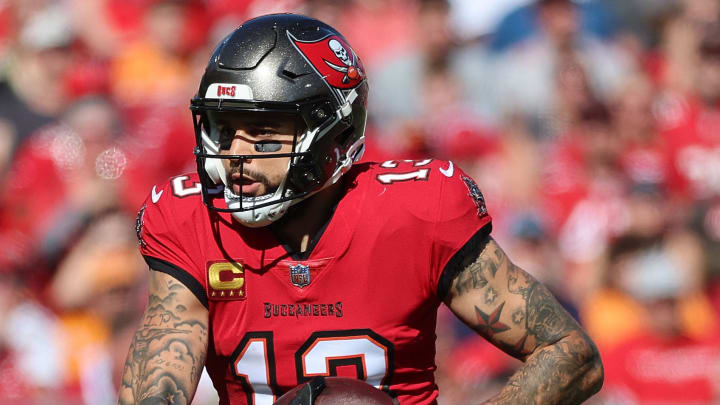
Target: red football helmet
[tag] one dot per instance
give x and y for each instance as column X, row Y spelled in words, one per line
column 335, row 391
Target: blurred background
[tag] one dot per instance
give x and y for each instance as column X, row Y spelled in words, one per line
column 592, row 127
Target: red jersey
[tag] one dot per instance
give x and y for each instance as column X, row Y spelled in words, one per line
column 691, row 133
column 362, row 303
column 651, row 370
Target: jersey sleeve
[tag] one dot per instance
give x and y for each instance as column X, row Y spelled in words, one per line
column 462, row 219
column 163, row 242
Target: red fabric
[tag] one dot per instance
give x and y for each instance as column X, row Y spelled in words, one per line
column 87, row 77
column 40, row 184
column 126, row 16
column 564, row 181
column 7, row 26
column 691, row 133
column 198, row 25
column 476, row 359
column 455, row 134
column 714, row 286
column 15, row 387
column 655, row 66
column 33, row 194
column 373, row 279
column 649, row 370
column 222, row 9
column 645, row 164
column 393, row 21
column 159, row 143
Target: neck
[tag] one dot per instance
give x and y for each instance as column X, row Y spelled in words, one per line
column 303, row 221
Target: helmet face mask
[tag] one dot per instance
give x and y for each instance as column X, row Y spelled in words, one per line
column 277, row 83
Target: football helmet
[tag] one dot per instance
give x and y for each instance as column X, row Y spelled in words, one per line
column 281, row 65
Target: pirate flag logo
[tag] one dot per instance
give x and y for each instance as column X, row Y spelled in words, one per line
column 333, row 58
column 476, row 195
column 139, row 223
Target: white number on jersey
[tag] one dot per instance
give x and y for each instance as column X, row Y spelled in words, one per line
column 323, row 353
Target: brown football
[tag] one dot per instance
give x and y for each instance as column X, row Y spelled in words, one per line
column 341, row 391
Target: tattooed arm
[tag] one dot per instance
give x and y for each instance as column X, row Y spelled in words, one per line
column 168, row 351
column 519, row 315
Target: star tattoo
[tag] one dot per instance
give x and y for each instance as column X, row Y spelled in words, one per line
column 518, row 316
column 490, row 295
column 489, row 324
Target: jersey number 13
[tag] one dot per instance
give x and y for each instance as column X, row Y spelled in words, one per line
column 323, row 353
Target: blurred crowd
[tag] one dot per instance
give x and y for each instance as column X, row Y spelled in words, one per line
column 592, row 127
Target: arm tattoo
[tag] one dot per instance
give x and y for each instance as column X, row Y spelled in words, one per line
column 490, row 296
column 518, row 314
column 489, row 324
column 477, row 270
column 518, row 317
column 562, row 366
column 167, row 352
column 470, row 280
column 567, row 372
column 546, row 320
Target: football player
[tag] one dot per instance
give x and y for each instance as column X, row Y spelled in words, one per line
column 283, row 258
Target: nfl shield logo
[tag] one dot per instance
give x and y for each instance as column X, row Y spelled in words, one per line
column 300, row 275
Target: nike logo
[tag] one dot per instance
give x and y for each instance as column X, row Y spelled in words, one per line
column 449, row 171
column 156, row 196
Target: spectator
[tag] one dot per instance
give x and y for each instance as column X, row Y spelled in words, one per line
column 30, row 351
column 160, row 50
column 680, row 37
column 523, row 76
column 643, row 158
column 575, row 148
column 666, row 362
column 32, row 91
column 392, row 20
column 64, row 175
column 595, row 20
column 690, row 125
column 98, row 287
column 422, row 82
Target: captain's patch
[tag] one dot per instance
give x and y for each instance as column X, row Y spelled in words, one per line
column 226, row 281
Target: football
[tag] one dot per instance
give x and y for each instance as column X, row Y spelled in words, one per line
column 335, row 391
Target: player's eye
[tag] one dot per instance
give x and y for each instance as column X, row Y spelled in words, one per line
column 267, row 146
column 227, row 135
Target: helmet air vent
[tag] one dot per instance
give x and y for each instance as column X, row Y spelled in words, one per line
column 291, row 75
column 249, row 48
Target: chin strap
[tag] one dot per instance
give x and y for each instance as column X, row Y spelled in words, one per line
column 311, row 390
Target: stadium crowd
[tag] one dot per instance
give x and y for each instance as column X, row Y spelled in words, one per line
column 592, row 127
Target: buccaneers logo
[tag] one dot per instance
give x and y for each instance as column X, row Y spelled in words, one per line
column 333, row 58
column 476, row 195
column 139, row 223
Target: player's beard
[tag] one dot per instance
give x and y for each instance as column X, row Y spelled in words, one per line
column 256, row 176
